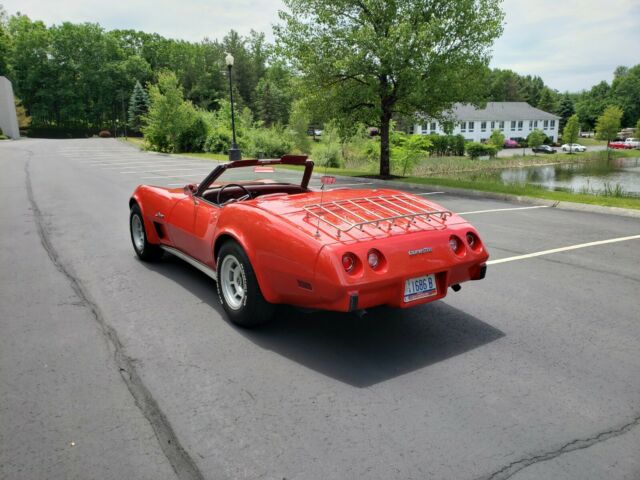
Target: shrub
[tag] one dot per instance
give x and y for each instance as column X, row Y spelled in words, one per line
column 271, row 142
column 360, row 150
column 477, row 150
column 441, row 145
column 104, row 134
column 218, row 140
column 497, row 139
column 194, row 136
column 328, row 151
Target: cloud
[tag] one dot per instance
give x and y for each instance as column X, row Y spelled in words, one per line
column 571, row 44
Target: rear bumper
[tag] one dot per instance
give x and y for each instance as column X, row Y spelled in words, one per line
column 391, row 291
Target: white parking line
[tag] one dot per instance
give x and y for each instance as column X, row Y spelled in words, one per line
column 428, row 193
column 133, row 162
column 338, row 185
column 503, row 209
column 166, row 170
column 167, row 177
column 192, row 165
column 562, row 249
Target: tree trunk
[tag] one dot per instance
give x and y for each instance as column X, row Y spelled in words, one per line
column 385, row 123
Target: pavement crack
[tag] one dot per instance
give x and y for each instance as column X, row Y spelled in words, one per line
column 180, row 460
column 512, row 468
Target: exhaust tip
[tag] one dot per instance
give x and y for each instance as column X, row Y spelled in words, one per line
column 456, row 287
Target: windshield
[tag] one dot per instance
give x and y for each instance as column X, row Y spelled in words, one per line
column 259, row 175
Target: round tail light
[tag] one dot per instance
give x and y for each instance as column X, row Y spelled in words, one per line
column 471, row 239
column 454, row 243
column 373, row 258
column 348, row 262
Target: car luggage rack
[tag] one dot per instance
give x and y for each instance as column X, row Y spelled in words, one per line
column 345, row 215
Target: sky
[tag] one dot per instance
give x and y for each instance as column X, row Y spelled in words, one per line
column 571, row 44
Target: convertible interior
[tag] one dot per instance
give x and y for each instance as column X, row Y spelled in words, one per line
column 234, row 192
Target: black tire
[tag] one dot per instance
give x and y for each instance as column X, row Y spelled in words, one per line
column 147, row 252
column 252, row 309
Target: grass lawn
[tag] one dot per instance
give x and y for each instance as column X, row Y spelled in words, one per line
column 591, row 142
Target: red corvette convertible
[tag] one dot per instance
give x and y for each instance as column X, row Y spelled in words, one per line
column 270, row 241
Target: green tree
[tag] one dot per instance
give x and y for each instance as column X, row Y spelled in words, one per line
column 5, row 43
column 367, row 60
column 608, row 124
column 170, row 116
column 536, row 138
column 592, row 103
column 138, row 106
column 625, row 91
column 497, row 139
column 565, row 109
column 547, row 101
column 299, row 121
column 272, row 96
column 571, row 131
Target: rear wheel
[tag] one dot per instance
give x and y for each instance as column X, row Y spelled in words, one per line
column 146, row 251
column 238, row 288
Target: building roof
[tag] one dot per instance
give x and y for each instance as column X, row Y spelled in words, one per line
column 499, row 111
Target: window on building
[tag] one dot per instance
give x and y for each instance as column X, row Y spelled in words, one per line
column 483, row 126
column 513, row 126
column 493, row 125
column 546, row 124
column 520, row 123
column 463, row 126
column 502, row 126
column 535, row 124
column 471, row 126
column 424, row 129
column 433, row 126
column 530, row 124
column 553, row 124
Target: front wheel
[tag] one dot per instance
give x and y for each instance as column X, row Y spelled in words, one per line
column 146, row 251
column 238, row 288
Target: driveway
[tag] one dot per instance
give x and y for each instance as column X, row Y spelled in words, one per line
column 112, row 368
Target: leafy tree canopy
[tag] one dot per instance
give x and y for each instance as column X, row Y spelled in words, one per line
column 366, row 60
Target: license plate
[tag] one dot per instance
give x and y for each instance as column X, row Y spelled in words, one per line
column 420, row 287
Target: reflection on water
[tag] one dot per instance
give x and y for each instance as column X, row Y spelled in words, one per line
column 592, row 177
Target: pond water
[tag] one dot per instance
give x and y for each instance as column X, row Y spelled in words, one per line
column 621, row 174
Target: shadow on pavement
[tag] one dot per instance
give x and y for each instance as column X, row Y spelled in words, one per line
column 383, row 344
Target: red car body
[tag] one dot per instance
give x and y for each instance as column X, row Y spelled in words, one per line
column 312, row 248
column 620, row 145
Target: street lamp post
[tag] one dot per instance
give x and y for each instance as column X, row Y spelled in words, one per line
column 234, row 151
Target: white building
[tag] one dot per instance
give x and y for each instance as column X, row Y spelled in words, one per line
column 513, row 119
column 8, row 118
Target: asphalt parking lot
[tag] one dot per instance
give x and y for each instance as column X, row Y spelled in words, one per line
column 112, row 368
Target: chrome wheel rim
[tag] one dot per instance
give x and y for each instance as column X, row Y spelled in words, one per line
column 234, row 286
column 137, row 232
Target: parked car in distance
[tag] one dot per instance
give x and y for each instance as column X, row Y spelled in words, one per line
column 269, row 241
column 509, row 143
column 544, row 149
column 573, row 147
column 620, row 145
column 632, row 142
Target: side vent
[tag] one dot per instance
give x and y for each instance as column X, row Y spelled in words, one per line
column 159, row 229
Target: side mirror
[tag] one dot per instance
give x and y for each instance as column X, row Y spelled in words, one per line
column 190, row 189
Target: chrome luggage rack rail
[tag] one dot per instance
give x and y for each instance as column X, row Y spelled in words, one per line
column 404, row 211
